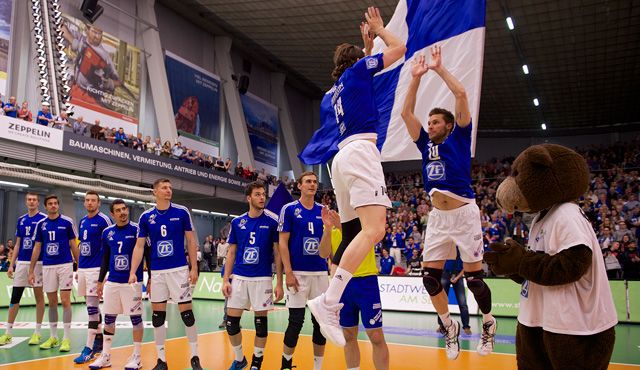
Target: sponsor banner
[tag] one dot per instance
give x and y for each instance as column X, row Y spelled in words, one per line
column 86, row 146
column 30, row 133
column 195, row 97
column 505, row 297
column 106, row 75
column 6, row 8
column 263, row 126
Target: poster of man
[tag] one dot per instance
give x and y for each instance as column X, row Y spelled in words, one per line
column 106, row 74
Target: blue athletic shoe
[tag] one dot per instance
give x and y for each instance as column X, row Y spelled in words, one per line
column 239, row 365
column 97, row 344
column 85, row 356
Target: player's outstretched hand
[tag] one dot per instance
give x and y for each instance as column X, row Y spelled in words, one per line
column 367, row 38
column 419, row 66
column 279, row 293
column 436, row 57
column 376, row 25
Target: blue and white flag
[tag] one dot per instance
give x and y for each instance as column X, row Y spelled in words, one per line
column 458, row 26
column 280, row 197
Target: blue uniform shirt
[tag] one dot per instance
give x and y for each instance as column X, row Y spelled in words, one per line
column 386, row 265
column 54, row 236
column 25, row 231
column 447, row 166
column 91, row 240
column 11, row 113
column 305, row 231
column 41, row 121
column 254, row 238
column 119, row 242
column 352, row 101
column 165, row 232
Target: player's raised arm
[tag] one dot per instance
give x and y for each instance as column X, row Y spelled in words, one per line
column 395, row 47
column 418, row 69
column 463, row 115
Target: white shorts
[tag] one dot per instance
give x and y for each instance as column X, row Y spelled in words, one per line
column 56, row 277
column 122, row 298
column 458, row 227
column 309, row 287
column 88, row 282
column 21, row 274
column 170, row 284
column 251, row 294
column 357, row 178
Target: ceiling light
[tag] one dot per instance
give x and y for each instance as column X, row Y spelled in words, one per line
column 219, row 214
column 536, row 102
column 544, row 126
column 510, row 23
column 194, row 210
column 16, row 184
column 234, row 216
column 525, row 69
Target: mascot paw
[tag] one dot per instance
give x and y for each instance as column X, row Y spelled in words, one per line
column 504, row 259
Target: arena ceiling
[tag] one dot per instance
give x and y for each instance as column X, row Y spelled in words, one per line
column 583, row 55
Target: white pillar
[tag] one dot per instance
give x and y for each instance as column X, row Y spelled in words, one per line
column 279, row 98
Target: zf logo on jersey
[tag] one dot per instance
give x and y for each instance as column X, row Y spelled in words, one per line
column 435, row 171
column 121, row 262
column 310, row 246
column 85, row 249
column 165, row 248
column 27, row 243
column 242, row 223
column 251, row 256
column 53, row 249
column 372, row 63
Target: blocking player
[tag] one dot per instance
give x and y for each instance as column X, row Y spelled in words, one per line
column 455, row 217
column 91, row 227
column 55, row 237
column 358, row 179
column 253, row 246
column 300, row 228
column 166, row 226
column 19, row 269
column 361, row 299
column 120, row 297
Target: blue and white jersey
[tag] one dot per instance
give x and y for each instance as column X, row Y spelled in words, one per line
column 305, row 231
column 254, row 238
column 91, row 240
column 119, row 243
column 165, row 231
column 352, row 101
column 54, row 236
column 25, row 231
column 446, row 167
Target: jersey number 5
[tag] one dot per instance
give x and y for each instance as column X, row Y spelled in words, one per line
column 252, row 238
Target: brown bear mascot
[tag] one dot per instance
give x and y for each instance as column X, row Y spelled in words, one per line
column 566, row 318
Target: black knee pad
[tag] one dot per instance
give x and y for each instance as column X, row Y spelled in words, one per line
column 233, row 325
column 262, row 326
column 480, row 290
column 296, row 320
column 93, row 325
column 188, row 318
column 317, row 337
column 431, row 280
column 158, row 318
column 16, row 294
column 110, row 319
column 349, row 231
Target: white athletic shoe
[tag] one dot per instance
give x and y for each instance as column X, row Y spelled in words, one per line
column 329, row 319
column 451, row 340
column 134, row 362
column 487, row 338
column 103, row 361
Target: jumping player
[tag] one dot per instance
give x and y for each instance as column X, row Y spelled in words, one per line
column 455, row 217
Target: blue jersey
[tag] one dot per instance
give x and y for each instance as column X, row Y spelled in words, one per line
column 352, row 101
column 54, row 236
column 254, row 238
column 91, row 240
column 25, row 231
column 386, row 265
column 11, row 113
column 305, row 231
column 119, row 243
column 42, row 121
column 165, row 232
column 446, row 167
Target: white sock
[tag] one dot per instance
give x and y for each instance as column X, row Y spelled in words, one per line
column 106, row 344
column 160, row 335
column 238, row 352
column 446, row 319
column 91, row 336
column 194, row 348
column 337, row 286
column 317, row 362
column 354, row 368
column 53, row 328
column 38, row 328
column 486, row 317
column 137, row 348
column 9, row 328
column 160, row 350
column 258, row 352
column 67, row 331
column 287, row 357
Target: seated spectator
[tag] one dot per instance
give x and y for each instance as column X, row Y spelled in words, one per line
column 414, row 263
column 612, row 264
column 24, row 113
column 4, row 258
column 239, row 171
column 166, row 149
column 631, row 262
column 10, row 108
column 61, row 121
column 177, row 151
column 199, row 159
column 605, row 239
column 208, row 163
column 136, row 142
column 386, row 263
column 96, row 131
column 44, row 117
column 227, row 164
column 79, row 127
column 121, row 137
column 219, row 164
